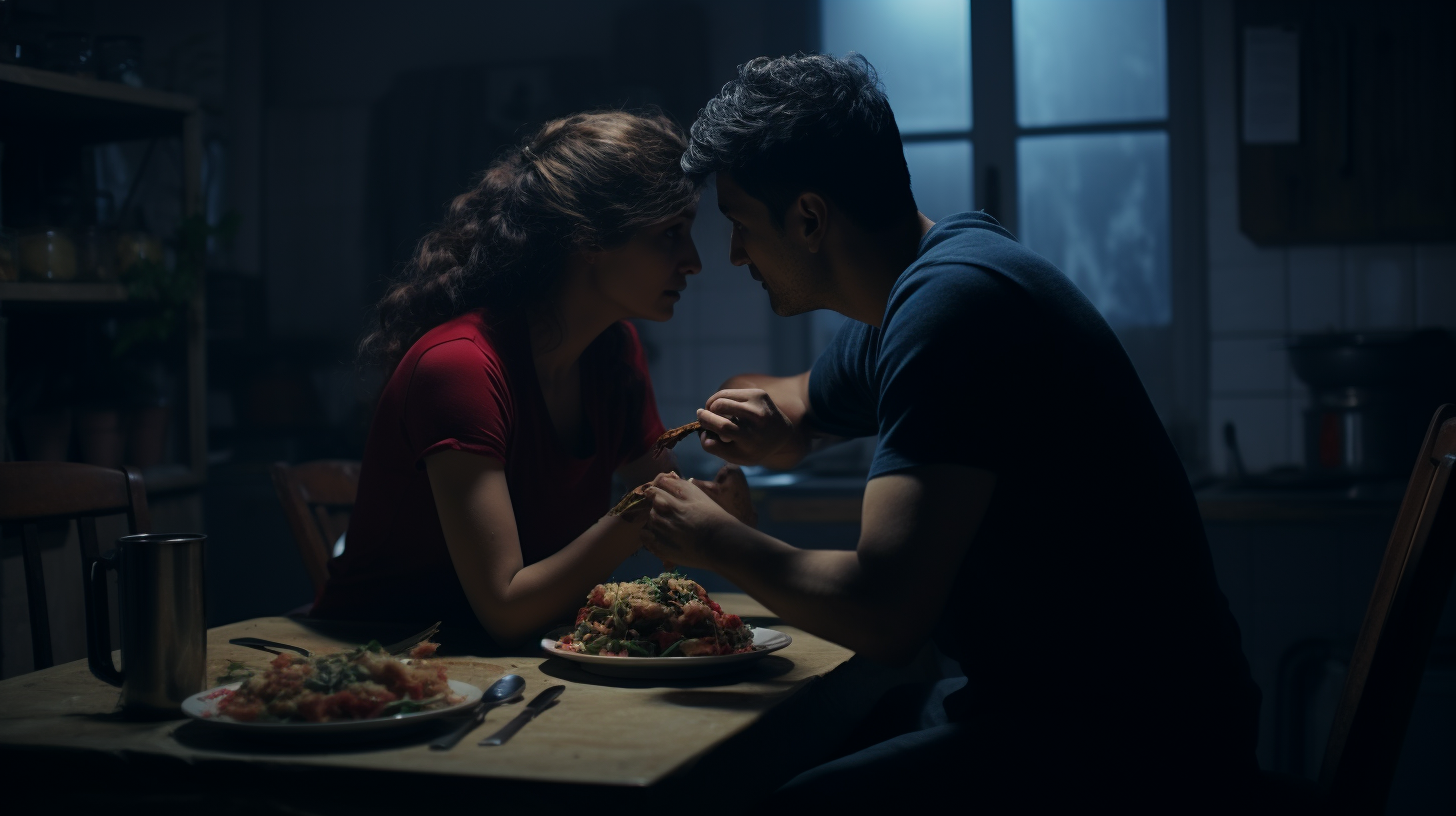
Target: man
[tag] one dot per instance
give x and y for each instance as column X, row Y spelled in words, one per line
column 1025, row 509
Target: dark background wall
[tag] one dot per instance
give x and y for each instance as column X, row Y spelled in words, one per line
column 351, row 125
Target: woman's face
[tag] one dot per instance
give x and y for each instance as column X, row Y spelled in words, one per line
column 644, row 277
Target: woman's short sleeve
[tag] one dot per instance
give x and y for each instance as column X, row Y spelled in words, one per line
column 458, row 399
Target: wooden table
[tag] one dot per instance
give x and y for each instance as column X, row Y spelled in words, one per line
column 604, row 732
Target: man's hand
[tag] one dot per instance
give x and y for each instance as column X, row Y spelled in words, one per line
column 730, row 490
column 744, row 426
column 682, row 522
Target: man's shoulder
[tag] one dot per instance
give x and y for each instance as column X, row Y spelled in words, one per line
column 972, row 237
column 952, row 289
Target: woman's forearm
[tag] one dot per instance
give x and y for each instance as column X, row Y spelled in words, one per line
column 510, row 599
column 551, row 589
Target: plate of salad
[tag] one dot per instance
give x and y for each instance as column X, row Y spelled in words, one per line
column 362, row 689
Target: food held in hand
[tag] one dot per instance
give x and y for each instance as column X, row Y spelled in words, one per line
column 359, row 684
column 674, row 436
column 634, row 498
column 667, row 616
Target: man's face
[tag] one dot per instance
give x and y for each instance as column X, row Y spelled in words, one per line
column 784, row 266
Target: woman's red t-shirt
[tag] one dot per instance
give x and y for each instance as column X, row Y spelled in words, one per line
column 471, row 387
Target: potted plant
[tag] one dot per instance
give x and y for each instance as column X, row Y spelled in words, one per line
column 141, row 344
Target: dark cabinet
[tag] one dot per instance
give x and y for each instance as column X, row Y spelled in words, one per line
column 1374, row 158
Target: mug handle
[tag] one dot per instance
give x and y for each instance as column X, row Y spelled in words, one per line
column 98, row 622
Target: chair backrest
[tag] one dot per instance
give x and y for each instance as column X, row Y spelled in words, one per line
column 316, row 498
column 32, row 492
column 1390, row 654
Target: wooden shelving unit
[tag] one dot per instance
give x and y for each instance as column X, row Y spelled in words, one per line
column 31, row 292
column 43, row 105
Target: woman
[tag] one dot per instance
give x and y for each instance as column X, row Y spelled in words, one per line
column 518, row 388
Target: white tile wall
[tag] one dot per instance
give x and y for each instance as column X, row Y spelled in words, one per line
column 1248, row 297
column 1259, row 296
column 720, row 328
column 1436, row 285
column 1379, row 287
column 1315, row 295
column 1262, row 427
column 1249, row 366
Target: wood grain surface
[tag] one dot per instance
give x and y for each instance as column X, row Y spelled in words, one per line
column 604, row 731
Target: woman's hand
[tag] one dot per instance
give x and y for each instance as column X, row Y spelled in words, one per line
column 744, row 426
column 683, row 522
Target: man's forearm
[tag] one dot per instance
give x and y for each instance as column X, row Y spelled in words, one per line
column 824, row 592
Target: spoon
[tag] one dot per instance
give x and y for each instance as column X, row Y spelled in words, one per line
column 505, row 690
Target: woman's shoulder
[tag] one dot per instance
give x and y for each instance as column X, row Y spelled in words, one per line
column 466, row 339
column 461, row 353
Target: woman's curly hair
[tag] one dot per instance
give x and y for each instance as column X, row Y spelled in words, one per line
column 584, row 182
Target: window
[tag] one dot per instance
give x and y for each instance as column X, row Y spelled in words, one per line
column 922, row 52
column 1078, row 148
column 1095, row 201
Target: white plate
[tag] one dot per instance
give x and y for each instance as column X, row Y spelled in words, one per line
column 204, row 710
column 765, row 642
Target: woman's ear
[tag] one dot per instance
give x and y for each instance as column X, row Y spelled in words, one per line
column 810, row 215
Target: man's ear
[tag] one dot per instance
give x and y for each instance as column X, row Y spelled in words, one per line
column 811, row 216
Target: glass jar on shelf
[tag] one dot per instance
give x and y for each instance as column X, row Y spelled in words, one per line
column 47, row 255
column 9, row 263
column 96, row 249
column 135, row 247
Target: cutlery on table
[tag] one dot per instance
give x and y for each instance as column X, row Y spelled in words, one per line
column 543, row 701
column 393, row 648
column 413, row 640
column 505, row 690
column 267, row 645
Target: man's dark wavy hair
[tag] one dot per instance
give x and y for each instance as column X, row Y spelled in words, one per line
column 809, row 122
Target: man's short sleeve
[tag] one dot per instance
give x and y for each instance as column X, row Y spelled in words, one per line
column 842, row 394
column 458, row 399
column 954, row 370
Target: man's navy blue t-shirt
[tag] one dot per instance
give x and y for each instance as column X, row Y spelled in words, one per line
column 1086, row 614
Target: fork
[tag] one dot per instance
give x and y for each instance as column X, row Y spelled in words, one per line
column 413, row 640
column 392, row 649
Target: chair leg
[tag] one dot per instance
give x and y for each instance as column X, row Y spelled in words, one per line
column 35, row 596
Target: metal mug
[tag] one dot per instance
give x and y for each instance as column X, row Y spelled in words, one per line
column 163, row 624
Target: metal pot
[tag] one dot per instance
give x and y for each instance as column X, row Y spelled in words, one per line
column 1371, row 397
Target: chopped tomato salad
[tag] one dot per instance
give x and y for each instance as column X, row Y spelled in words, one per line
column 359, row 684
column 667, row 616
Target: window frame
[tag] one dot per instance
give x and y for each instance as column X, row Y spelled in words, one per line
column 1181, row 395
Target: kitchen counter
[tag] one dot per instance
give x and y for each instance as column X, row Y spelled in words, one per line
column 805, row 498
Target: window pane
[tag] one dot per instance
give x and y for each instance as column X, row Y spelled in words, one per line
column 921, row 49
column 1096, row 205
column 940, row 175
column 1083, row 61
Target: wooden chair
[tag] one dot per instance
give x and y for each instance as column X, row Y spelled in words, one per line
column 1400, row 623
column 317, row 498
column 32, row 492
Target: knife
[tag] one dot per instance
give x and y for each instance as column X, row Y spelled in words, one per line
column 267, row 645
column 505, row 690
column 543, row 701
